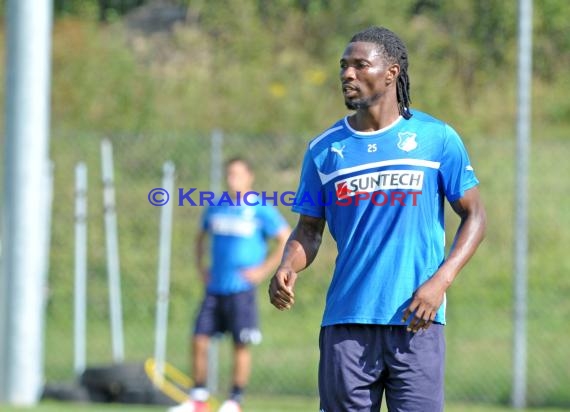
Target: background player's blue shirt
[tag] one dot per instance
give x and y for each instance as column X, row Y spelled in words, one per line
column 238, row 241
column 386, row 247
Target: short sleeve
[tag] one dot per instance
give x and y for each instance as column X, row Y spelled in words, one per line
column 456, row 171
column 271, row 221
column 308, row 196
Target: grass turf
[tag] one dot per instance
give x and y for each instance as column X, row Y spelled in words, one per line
column 253, row 404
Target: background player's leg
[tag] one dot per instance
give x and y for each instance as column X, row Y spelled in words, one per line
column 242, row 370
column 198, row 395
column 243, row 318
column 208, row 322
column 200, row 359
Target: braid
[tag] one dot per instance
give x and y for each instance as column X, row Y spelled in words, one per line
column 394, row 51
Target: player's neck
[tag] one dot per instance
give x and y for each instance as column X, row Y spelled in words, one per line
column 374, row 118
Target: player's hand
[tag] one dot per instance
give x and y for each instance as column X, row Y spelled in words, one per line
column 424, row 305
column 255, row 274
column 281, row 287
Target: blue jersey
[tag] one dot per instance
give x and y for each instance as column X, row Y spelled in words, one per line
column 238, row 241
column 382, row 194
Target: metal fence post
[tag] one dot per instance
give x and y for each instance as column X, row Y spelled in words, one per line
column 163, row 275
column 112, row 243
column 521, row 204
column 24, row 247
column 216, row 167
column 80, row 289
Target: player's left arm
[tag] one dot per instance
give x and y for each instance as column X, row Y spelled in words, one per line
column 259, row 273
column 428, row 297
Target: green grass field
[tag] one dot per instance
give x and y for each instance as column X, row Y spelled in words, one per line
column 267, row 404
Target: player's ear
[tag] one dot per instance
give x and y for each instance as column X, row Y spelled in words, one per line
column 392, row 73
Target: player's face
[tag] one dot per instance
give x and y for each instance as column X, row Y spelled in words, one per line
column 238, row 177
column 364, row 75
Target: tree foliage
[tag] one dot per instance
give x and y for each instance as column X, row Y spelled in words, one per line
column 265, row 66
column 102, row 9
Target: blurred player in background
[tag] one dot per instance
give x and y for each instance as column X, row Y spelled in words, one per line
column 239, row 261
column 389, row 170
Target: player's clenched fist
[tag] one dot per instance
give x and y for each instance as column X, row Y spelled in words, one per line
column 281, row 293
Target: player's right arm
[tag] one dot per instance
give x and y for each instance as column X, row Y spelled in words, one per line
column 300, row 251
column 201, row 241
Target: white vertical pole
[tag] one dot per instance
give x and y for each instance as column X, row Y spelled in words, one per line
column 521, row 212
column 163, row 275
column 28, row 34
column 80, row 293
column 112, row 244
column 216, row 168
column 28, row 48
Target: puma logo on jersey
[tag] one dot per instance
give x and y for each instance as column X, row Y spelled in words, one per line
column 337, row 148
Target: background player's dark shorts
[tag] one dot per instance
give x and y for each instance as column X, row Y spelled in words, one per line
column 361, row 362
column 235, row 313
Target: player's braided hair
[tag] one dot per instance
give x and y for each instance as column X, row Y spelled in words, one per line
column 394, row 50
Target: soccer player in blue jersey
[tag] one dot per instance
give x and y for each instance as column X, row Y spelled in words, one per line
column 239, row 261
column 388, row 170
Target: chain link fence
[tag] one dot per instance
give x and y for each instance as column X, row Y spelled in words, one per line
column 479, row 331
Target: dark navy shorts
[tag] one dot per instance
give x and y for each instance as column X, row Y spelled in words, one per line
column 360, row 363
column 235, row 313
